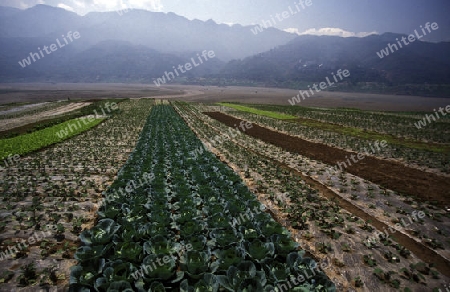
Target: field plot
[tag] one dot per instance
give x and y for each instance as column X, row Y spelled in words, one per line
column 176, row 218
column 335, row 214
column 397, row 124
column 174, row 221
column 24, row 144
column 47, row 198
column 33, row 115
column 54, row 114
column 405, row 141
column 423, row 185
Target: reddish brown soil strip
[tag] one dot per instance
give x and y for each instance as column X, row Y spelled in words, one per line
column 420, row 250
column 395, row 176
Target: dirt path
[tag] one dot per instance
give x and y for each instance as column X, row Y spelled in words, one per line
column 389, row 174
column 9, row 124
column 183, row 94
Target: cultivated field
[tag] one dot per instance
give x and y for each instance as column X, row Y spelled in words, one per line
column 60, row 186
column 182, row 193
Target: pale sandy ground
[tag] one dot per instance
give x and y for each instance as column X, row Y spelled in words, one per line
column 323, row 99
column 5, row 110
column 8, row 124
column 38, row 92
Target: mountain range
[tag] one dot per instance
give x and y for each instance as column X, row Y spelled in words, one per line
column 142, row 46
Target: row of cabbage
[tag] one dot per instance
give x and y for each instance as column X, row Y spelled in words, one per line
column 175, row 223
column 326, row 229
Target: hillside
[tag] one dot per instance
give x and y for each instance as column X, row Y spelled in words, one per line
column 141, row 46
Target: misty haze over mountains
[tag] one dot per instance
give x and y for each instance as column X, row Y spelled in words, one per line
column 140, row 46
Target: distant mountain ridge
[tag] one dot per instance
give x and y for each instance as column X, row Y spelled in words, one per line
column 166, row 32
column 141, row 46
column 312, row 58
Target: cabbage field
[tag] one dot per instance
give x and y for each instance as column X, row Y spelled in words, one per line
column 332, row 213
column 192, row 226
column 163, row 195
column 60, row 186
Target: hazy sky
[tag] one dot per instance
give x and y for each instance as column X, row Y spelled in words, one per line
column 341, row 17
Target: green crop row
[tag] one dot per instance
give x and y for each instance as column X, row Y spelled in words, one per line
column 34, row 141
column 175, row 222
column 269, row 114
column 98, row 107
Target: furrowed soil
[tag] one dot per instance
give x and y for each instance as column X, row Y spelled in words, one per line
column 395, row 176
